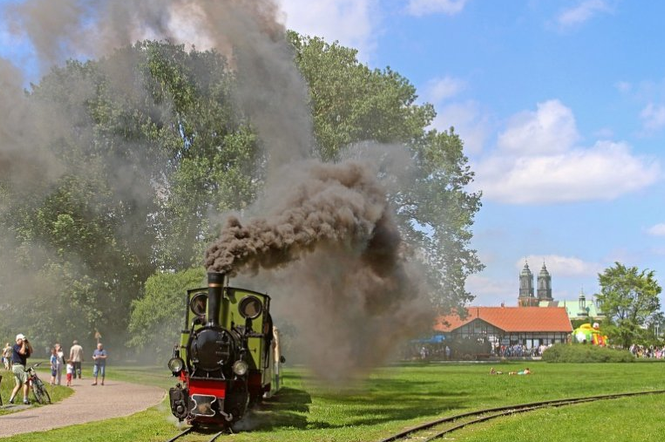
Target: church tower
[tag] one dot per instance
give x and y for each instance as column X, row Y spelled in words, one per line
column 544, row 285
column 526, row 297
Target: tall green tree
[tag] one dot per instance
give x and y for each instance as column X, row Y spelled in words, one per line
column 157, row 317
column 352, row 103
column 149, row 143
column 629, row 298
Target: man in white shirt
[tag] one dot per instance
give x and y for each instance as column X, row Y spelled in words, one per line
column 76, row 356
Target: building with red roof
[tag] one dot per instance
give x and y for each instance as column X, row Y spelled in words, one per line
column 488, row 329
column 536, row 321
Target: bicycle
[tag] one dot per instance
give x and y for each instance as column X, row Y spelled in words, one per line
column 37, row 386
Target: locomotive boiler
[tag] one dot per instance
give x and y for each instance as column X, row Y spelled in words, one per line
column 228, row 357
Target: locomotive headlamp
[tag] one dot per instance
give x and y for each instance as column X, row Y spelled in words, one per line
column 198, row 304
column 250, row 307
column 240, row 368
column 176, row 365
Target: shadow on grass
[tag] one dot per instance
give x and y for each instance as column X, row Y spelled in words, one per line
column 287, row 409
column 381, row 401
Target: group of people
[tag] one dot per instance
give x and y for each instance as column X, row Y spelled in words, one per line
column 74, row 363
column 15, row 359
column 647, row 352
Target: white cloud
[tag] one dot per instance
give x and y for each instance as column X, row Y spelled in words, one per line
column 657, row 230
column 439, row 89
column 491, row 291
column 604, row 172
column 424, row 7
column 560, row 266
column 551, row 129
column 583, row 12
column 653, row 117
column 566, row 272
column 469, row 121
column 351, row 22
column 536, row 162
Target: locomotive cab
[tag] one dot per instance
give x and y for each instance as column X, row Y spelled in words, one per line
column 225, row 359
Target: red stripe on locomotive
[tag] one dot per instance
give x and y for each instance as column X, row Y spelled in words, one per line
column 208, row 386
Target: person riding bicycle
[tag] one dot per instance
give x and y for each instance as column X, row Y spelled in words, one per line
column 20, row 354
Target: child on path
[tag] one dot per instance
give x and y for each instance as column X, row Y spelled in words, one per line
column 70, row 372
column 54, row 365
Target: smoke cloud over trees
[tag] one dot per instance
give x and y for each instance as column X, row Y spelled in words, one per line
column 135, row 149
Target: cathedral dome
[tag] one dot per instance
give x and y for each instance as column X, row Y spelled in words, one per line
column 525, row 270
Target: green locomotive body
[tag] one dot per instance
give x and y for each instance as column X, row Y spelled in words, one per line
column 228, row 356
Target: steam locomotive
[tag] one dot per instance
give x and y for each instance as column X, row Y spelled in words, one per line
column 228, row 357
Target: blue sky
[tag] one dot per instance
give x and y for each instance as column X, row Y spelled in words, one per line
column 561, row 105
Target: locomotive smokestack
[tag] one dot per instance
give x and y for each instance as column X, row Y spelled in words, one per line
column 215, row 285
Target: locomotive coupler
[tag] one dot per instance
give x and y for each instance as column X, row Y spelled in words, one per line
column 228, row 417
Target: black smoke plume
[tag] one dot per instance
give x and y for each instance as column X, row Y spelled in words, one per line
column 325, row 241
column 339, row 265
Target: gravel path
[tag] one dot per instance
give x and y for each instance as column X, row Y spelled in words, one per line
column 87, row 404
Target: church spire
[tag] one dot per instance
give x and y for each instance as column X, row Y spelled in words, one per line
column 544, row 284
column 526, row 297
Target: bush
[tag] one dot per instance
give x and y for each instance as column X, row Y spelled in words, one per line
column 585, row 353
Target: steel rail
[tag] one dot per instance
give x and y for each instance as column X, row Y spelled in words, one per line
column 193, row 429
column 179, row 435
column 504, row 411
column 214, row 438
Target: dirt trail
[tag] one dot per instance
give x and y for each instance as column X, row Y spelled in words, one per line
column 87, row 404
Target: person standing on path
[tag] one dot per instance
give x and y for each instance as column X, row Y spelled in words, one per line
column 76, row 356
column 7, row 356
column 99, row 356
column 60, row 363
column 20, row 354
column 54, row 365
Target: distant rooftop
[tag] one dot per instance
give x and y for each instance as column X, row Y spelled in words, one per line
column 512, row 319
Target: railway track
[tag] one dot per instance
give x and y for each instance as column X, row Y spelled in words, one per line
column 438, row 428
column 190, row 430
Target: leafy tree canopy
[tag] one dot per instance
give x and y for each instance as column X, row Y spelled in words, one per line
column 629, row 298
column 156, row 318
column 150, row 143
column 352, row 103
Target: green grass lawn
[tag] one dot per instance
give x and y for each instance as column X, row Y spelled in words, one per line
column 7, row 384
column 397, row 397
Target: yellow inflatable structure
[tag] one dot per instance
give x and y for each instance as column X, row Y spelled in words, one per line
column 590, row 334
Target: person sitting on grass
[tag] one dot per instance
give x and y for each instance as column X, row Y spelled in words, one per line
column 493, row 371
